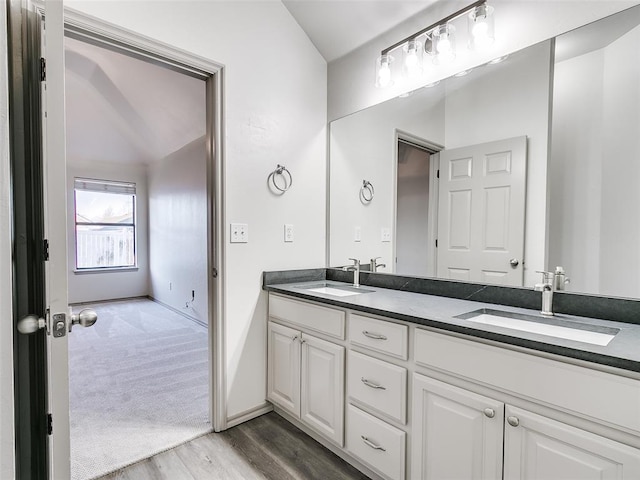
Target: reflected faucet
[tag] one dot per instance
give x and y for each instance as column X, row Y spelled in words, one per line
column 551, row 281
column 375, row 265
column 356, row 271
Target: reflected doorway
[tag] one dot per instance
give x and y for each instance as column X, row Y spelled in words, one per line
column 416, row 207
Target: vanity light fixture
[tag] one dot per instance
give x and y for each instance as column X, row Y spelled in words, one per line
column 439, row 42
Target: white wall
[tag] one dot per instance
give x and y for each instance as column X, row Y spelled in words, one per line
column 275, row 112
column 518, row 23
column 178, row 230
column 92, row 286
column 363, row 146
column 594, row 225
column 513, row 100
column 6, row 313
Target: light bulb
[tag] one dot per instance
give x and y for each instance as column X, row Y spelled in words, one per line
column 412, row 59
column 444, row 44
column 384, row 75
column 383, row 71
column 481, row 27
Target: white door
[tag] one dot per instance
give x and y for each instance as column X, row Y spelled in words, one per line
column 481, row 212
column 322, row 387
column 456, row 433
column 537, row 447
column 55, row 231
column 283, row 363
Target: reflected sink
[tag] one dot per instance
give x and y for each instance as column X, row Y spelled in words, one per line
column 335, row 290
column 552, row 327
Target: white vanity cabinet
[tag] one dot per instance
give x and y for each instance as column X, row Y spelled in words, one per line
column 404, row 401
column 455, row 433
column 305, row 374
column 377, row 393
column 539, row 447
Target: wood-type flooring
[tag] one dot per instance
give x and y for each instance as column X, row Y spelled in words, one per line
column 267, row 447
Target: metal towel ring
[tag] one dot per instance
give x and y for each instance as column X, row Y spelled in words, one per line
column 367, row 191
column 281, row 171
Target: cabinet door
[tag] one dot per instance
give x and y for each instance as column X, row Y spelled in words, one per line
column 322, row 390
column 537, row 447
column 456, row 433
column 283, row 375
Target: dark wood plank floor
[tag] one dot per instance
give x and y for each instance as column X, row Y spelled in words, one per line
column 267, row 447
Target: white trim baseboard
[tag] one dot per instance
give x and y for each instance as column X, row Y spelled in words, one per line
column 247, row 415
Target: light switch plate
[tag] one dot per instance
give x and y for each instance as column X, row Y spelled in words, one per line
column 385, row 235
column 288, row 232
column 357, row 233
column 239, row 233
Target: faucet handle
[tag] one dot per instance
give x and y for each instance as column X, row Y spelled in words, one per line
column 547, row 277
column 355, row 261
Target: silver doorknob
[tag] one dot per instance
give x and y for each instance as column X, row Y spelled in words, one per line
column 85, row 318
column 514, row 262
column 513, row 421
column 31, row 324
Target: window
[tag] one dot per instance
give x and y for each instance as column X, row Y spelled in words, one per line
column 105, row 224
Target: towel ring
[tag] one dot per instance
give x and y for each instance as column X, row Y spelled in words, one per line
column 287, row 179
column 367, row 191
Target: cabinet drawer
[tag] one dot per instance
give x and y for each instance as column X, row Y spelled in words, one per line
column 376, row 443
column 308, row 316
column 385, row 337
column 378, row 385
column 569, row 387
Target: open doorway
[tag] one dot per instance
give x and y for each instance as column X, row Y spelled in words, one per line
column 416, row 207
column 138, row 254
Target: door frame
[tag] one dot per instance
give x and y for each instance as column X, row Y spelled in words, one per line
column 432, row 213
column 29, row 366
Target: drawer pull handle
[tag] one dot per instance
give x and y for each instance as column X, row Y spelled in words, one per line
column 375, row 336
column 371, row 384
column 371, row 444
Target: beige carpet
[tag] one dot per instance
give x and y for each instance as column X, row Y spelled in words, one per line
column 138, row 385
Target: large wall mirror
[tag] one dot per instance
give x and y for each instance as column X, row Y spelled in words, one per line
column 568, row 197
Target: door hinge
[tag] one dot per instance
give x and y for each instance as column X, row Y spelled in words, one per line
column 45, row 249
column 436, row 243
column 438, row 173
column 49, row 424
column 43, row 69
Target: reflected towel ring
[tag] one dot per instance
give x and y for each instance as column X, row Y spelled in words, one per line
column 367, row 191
column 287, row 179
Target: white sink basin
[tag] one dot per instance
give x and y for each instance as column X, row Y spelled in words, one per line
column 336, row 290
column 567, row 330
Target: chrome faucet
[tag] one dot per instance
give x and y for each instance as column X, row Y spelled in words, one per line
column 551, row 281
column 375, row 265
column 546, row 287
column 356, row 271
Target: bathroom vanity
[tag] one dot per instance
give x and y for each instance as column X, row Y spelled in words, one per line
column 407, row 385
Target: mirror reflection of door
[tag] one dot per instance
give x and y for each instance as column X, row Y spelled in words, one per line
column 481, row 212
column 416, row 204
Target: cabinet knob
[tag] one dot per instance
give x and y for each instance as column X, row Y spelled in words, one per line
column 294, row 338
column 513, row 421
column 490, row 412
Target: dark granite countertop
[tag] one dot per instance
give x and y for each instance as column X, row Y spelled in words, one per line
column 441, row 312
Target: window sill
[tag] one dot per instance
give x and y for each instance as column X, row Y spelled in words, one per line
column 104, row 270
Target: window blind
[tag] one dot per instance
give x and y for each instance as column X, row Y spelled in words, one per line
column 104, row 186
